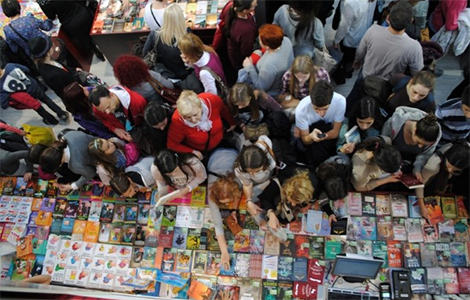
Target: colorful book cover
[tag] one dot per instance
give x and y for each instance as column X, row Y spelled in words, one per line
column 399, row 229
column 257, row 239
column 443, row 254
column 302, row 246
column 193, row 241
column 430, row 233
column 179, row 238
column 384, row 228
column 428, row 255
column 300, row 268
column 242, row 265
column 59, row 209
column 48, row 205
column 92, row 231
column 305, row 290
column 78, row 230
column 198, row 197
column 411, row 255
column 95, row 211
column 414, row 228
column 464, row 280
column 368, row 204
column 449, row 209
column 83, row 209
column 269, row 267
column 435, row 214
column 395, row 256
column 457, row 254
column 332, row 248
column 418, row 280
column 24, row 246
column 131, row 214
column 314, row 221
column 199, row 291
column 413, row 207
column 143, row 216
column 462, row 211
column 339, row 207
column 107, row 211
column 446, row 231
column 368, row 228
column 72, row 208
column 137, row 256
column 199, row 262
column 353, row 231
column 382, row 205
column 451, row 281
column 128, row 234
column 119, row 215
column 165, row 237
column 36, row 205
column 379, row 249
column 39, row 246
column 42, row 232
column 169, row 256
column 149, row 257
column 435, row 281
column 67, row 226
column 115, row 236
column 354, row 203
column 44, row 218
column 285, row 268
column 399, row 205
column 461, row 230
column 288, row 247
column 183, row 261
column 169, row 216
column 271, row 244
column 242, row 241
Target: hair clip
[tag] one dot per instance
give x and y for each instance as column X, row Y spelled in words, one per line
column 176, row 155
column 96, row 144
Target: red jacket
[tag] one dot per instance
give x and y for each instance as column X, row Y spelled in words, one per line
column 135, row 111
column 446, row 14
column 182, row 138
column 219, row 37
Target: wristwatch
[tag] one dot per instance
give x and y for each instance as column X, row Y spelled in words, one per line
column 288, row 98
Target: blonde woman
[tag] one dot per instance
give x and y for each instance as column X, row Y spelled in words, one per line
column 196, row 125
column 201, row 57
column 168, row 53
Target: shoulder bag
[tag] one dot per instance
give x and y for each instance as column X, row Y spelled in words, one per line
column 222, row 89
column 150, row 59
column 169, row 95
column 323, row 59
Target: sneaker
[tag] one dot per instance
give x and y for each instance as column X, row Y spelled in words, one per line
column 63, row 116
column 51, row 121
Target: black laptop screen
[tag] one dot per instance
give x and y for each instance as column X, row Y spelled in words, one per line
column 366, row 267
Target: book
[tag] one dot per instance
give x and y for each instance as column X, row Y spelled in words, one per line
column 302, row 245
column 288, row 247
column 314, row 221
column 83, row 209
column 368, row 228
column 446, row 231
column 92, row 230
column 451, row 281
column 285, row 268
column 169, row 216
column 418, row 280
column 353, row 135
column 250, row 288
column 95, row 211
column 384, row 228
column 413, row 207
column 435, row 214
column 317, row 250
column 435, row 280
column 428, row 255
column 242, row 241
column 199, row 262
column 339, row 207
column 411, row 255
column 168, row 264
column 242, row 265
column 368, row 204
column 449, row 209
column 443, row 254
column 395, row 256
column 257, row 239
column 284, row 290
column 430, row 233
column 462, row 211
column 179, row 238
column 457, row 254
column 332, row 248
column 300, row 268
column 269, row 289
column 256, row 265
column 305, row 290
column 379, row 249
column 411, row 182
column 382, row 205
column 193, row 240
column 354, row 203
column 271, row 244
column 414, row 230
column 339, row 227
column 164, row 237
column 399, row 205
column 461, row 230
column 464, row 280
column 107, row 211
column 399, row 229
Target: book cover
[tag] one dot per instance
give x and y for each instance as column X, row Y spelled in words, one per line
column 36, row 205
column 410, row 181
column 339, row 227
column 446, row 231
column 24, row 246
column 384, row 228
column 72, row 208
column 269, row 290
column 143, row 216
column 354, row 203
column 428, row 255
column 305, row 290
column 242, row 265
column 48, row 205
column 83, row 209
column 95, row 211
column 285, row 268
column 169, row 216
column 59, row 209
column 464, row 280
column 399, row 205
column 435, row 214
column 302, row 246
column 461, row 230
column 44, row 218
column 115, row 237
column 131, row 214
column 364, row 247
column 149, row 257
column 105, row 232
column 78, row 230
column 353, row 135
column 128, row 234
column 339, row 207
column 411, row 255
column 314, row 221
column 284, row 290
column 332, row 248
column 462, row 211
column 179, row 238
column 169, row 256
column 119, row 215
column 199, row 262
column 395, row 256
column 451, row 281
column 39, row 246
column 199, row 291
column 198, row 197
column 414, row 228
column 213, row 263
column 271, row 245
column 418, row 280
column 435, row 281
column 353, row 231
column 137, row 256
column 288, row 247
column 140, row 233
column 457, row 254
column 92, row 231
column 368, row 228
column 382, row 205
column 250, row 287
column 257, row 239
column 242, row 241
column 183, row 261
column 443, row 254
column 316, row 272
column 399, row 229
column 430, row 233
column 379, row 249
column 67, row 226
column 165, row 237
column 368, row 204
column 413, row 207
column 449, row 209
column 317, row 245
column 194, row 239
column 300, row 267
column 107, row 212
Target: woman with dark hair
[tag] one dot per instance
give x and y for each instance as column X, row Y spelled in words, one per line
column 131, row 182
column 241, row 31
column 183, row 172
column 301, row 26
column 366, row 116
column 267, row 73
column 375, row 164
column 415, row 134
column 75, row 99
column 73, row 151
column 442, row 170
column 334, row 176
column 134, row 74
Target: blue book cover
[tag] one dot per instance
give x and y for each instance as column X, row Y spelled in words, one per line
column 413, row 205
column 67, row 226
column 56, row 225
column 300, row 269
column 285, row 268
column 457, row 254
column 231, row 270
column 314, row 221
column 368, row 229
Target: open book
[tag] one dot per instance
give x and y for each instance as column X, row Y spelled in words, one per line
column 411, row 182
column 353, row 136
column 162, row 196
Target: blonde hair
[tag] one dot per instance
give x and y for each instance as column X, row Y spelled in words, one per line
column 302, row 64
column 193, row 47
column 299, row 187
column 174, row 25
column 187, row 102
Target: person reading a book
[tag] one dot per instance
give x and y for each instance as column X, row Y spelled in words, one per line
column 443, row 169
column 254, row 167
column 225, row 193
column 367, row 120
column 376, row 165
column 415, row 134
column 180, row 171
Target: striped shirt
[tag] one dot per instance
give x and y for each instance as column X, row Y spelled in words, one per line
column 453, row 122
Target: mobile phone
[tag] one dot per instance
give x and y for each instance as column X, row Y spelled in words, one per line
column 385, row 292
column 321, row 135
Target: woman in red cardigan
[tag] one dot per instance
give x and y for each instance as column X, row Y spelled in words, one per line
column 196, row 126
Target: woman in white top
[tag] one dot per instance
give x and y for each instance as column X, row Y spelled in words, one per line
column 154, row 14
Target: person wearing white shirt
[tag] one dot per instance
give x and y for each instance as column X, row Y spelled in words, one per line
column 153, row 14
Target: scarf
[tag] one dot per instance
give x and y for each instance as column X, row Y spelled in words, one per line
column 205, row 124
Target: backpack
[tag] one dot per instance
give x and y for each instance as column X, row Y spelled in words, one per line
column 278, row 124
column 222, row 89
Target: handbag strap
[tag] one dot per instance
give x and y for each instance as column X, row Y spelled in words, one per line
column 157, row 86
column 270, row 151
column 158, row 23
column 18, row 34
column 215, row 75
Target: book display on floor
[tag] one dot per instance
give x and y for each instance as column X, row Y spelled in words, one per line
column 94, row 239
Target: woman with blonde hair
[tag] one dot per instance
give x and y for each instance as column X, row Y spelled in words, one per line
column 196, row 125
column 165, row 41
column 203, row 59
column 299, row 80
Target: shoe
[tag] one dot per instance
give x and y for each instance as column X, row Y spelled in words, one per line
column 438, row 72
column 50, row 121
column 98, row 54
column 63, row 116
column 348, row 74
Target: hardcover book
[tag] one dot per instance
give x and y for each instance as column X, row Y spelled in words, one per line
column 257, row 240
column 302, row 245
column 428, row 255
column 399, row 205
column 300, row 269
column 368, row 204
column 379, row 249
column 179, row 238
column 434, row 210
column 354, row 202
column 269, row 290
column 332, row 248
column 410, row 181
column 443, row 254
column 411, row 255
column 449, row 209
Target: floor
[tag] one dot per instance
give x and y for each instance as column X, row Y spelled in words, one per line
column 444, row 85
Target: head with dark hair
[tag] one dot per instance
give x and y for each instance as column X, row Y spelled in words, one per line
column 321, row 96
column 387, row 157
column 400, row 15
column 35, row 152
column 335, row 179
column 365, row 115
column 426, row 131
column 252, row 159
column 11, row 8
column 304, row 13
column 466, row 102
column 51, row 158
column 239, row 8
column 156, row 116
column 103, row 100
column 458, row 157
column 105, row 154
column 242, row 95
column 123, row 185
column 130, row 70
column 76, row 101
column 169, row 162
column 271, row 36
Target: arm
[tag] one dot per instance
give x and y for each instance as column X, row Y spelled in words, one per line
column 223, row 109
column 333, row 133
column 268, row 103
column 262, row 80
column 362, row 49
column 423, row 157
column 5, row 126
column 137, row 106
column 387, row 128
column 166, row 83
column 318, row 35
column 45, row 25
column 200, row 173
column 149, row 43
column 157, row 176
column 208, row 82
column 108, row 120
column 341, row 138
column 87, row 173
column 176, row 135
column 347, row 16
column 95, row 127
column 415, row 62
column 452, row 15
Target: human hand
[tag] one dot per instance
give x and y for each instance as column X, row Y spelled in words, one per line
column 234, row 216
column 247, row 62
column 21, row 132
column 393, row 178
column 78, row 69
column 27, row 176
column 315, row 135
column 419, row 176
column 273, row 221
column 252, row 208
column 231, row 128
column 225, row 261
column 198, row 154
column 348, row 148
column 332, row 218
column 123, row 135
column 296, row 132
column 357, row 65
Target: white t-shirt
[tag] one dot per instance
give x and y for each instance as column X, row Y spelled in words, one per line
column 150, row 20
column 305, row 115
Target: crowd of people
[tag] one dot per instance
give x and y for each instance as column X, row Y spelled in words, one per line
column 254, row 115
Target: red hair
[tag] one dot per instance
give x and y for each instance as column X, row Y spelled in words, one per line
column 130, row 70
column 271, row 35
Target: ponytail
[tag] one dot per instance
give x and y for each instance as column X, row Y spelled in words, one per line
column 51, row 159
column 428, row 128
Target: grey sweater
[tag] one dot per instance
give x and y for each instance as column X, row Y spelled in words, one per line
column 80, row 162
